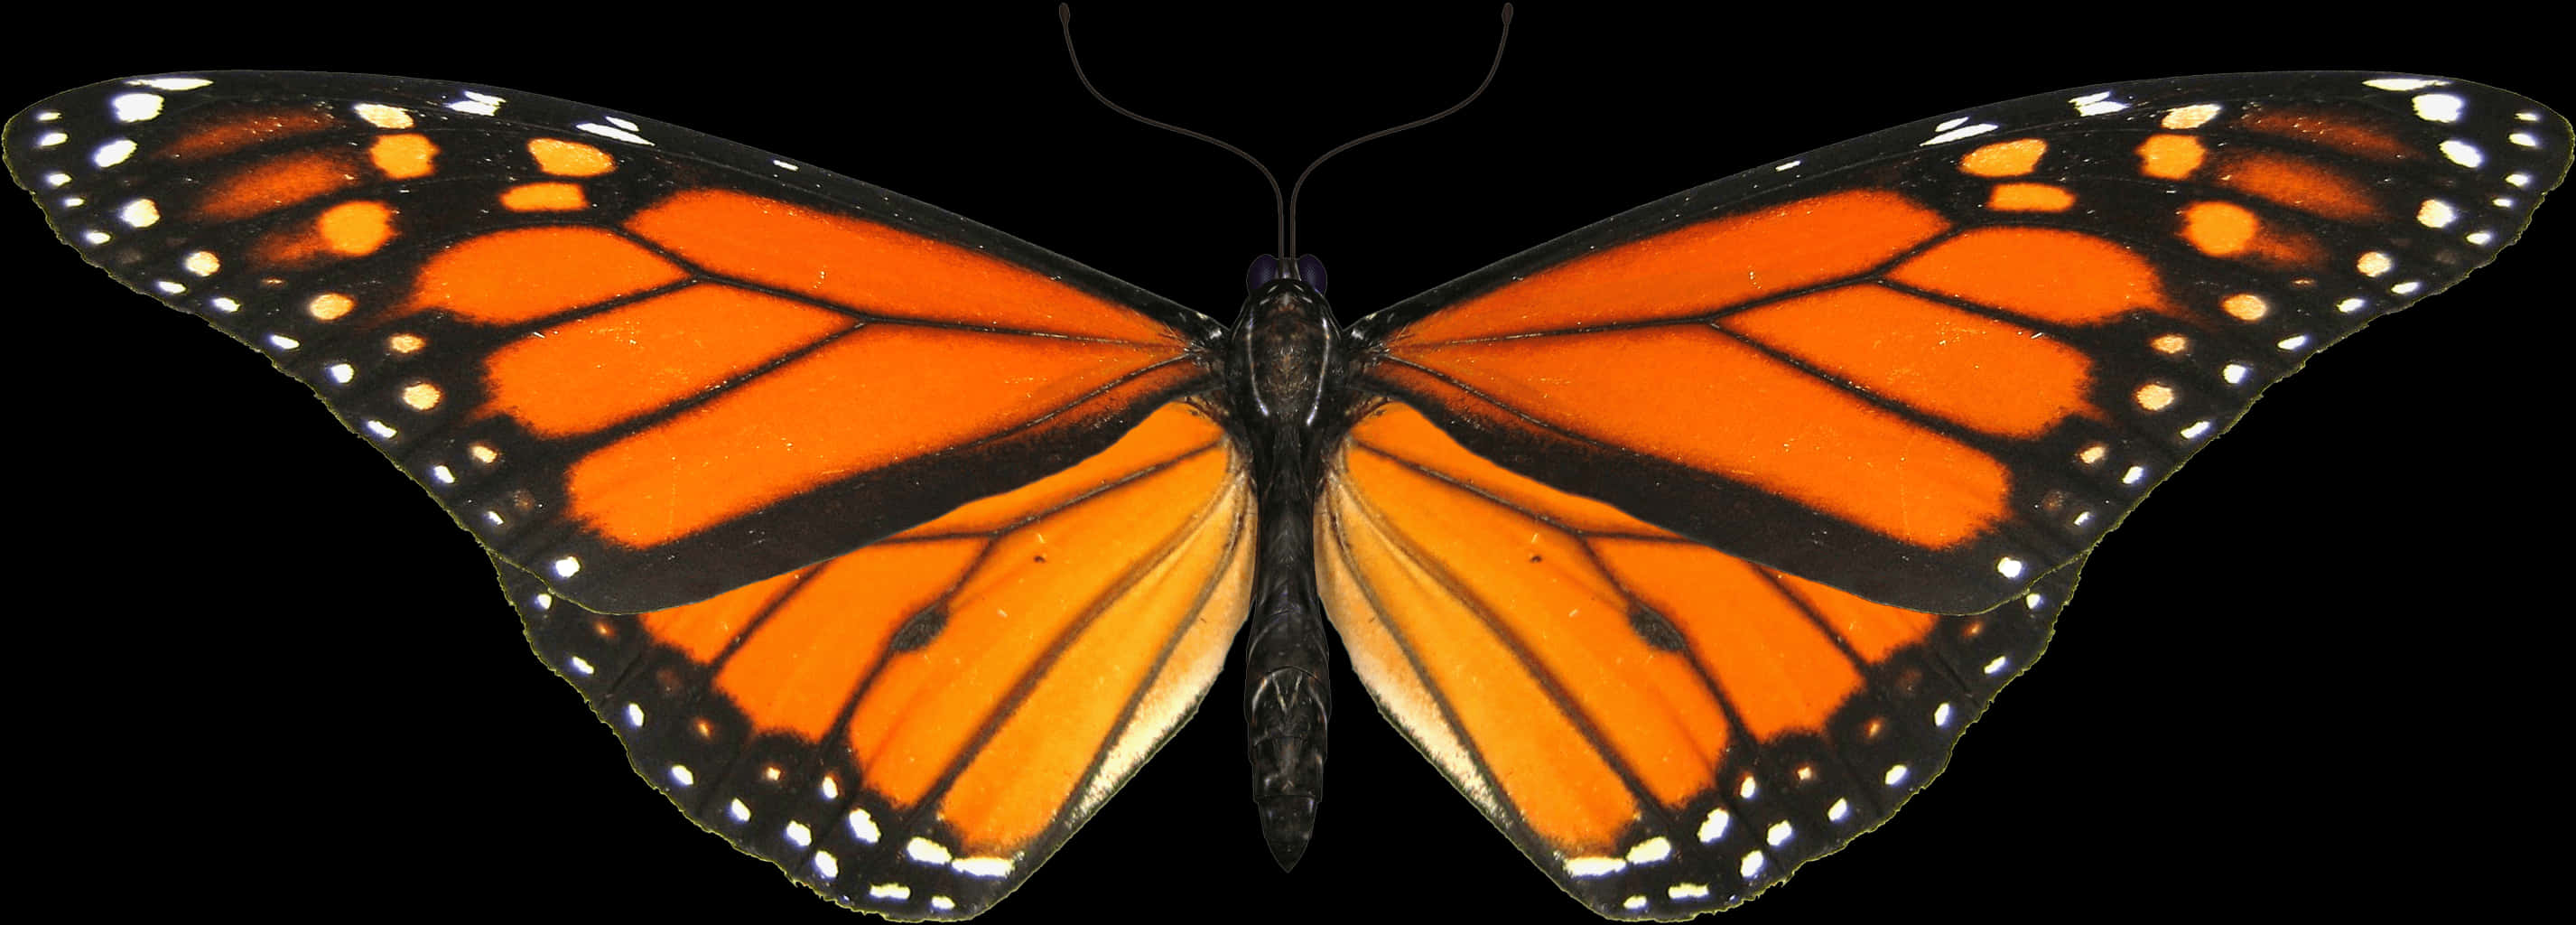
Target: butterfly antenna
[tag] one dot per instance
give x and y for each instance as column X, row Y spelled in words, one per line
column 1290, row 235
column 1064, row 16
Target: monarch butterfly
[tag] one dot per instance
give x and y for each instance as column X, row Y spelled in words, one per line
column 1350, row 782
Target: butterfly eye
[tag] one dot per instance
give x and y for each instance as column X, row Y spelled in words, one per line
column 1311, row 269
column 1265, row 269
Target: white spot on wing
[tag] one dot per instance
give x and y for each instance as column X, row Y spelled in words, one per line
column 1714, row 827
column 1594, row 866
column 862, row 826
column 2463, row 153
column 134, row 107
column 1954, row 134
column 169, row 83
column 382, row 116
column 481, row 104
column 1651, row 850
column 926, row 851
column 2438, row 107
column 625, row 134
column 2095, row 104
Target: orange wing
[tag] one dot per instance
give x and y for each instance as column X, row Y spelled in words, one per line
column 1934, row 364
column 912, row 728
column 1688, row 544
column 650, row 378
column 891, row 546
column 1649, row 717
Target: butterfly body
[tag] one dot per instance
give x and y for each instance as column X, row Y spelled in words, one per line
column 1502, row 550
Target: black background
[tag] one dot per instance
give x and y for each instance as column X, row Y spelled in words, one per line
column 261, row 673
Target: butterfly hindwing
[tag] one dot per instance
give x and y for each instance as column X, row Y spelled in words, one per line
column 1665, row 729
column 913, row 727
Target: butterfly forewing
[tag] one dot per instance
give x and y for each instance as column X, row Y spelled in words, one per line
column 614, row 350
column 1936, row 363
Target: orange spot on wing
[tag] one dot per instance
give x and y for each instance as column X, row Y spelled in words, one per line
column 403, row 157
column 355, row 229
column 350, row 229
column 569, row 158
column 2170, row 157
column 1966, row 368
column 2349, row 131
column 329, row 306
column 2301, row 184
column 2060, row 277
column 529, row 273
column 2246, row 306
column 277, row 183
column 2219, row 229
column 877, row 269
column 2030, row 197
column 1694, row 270
column 2004, row 158
column 544, row 197
column 214, row 137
